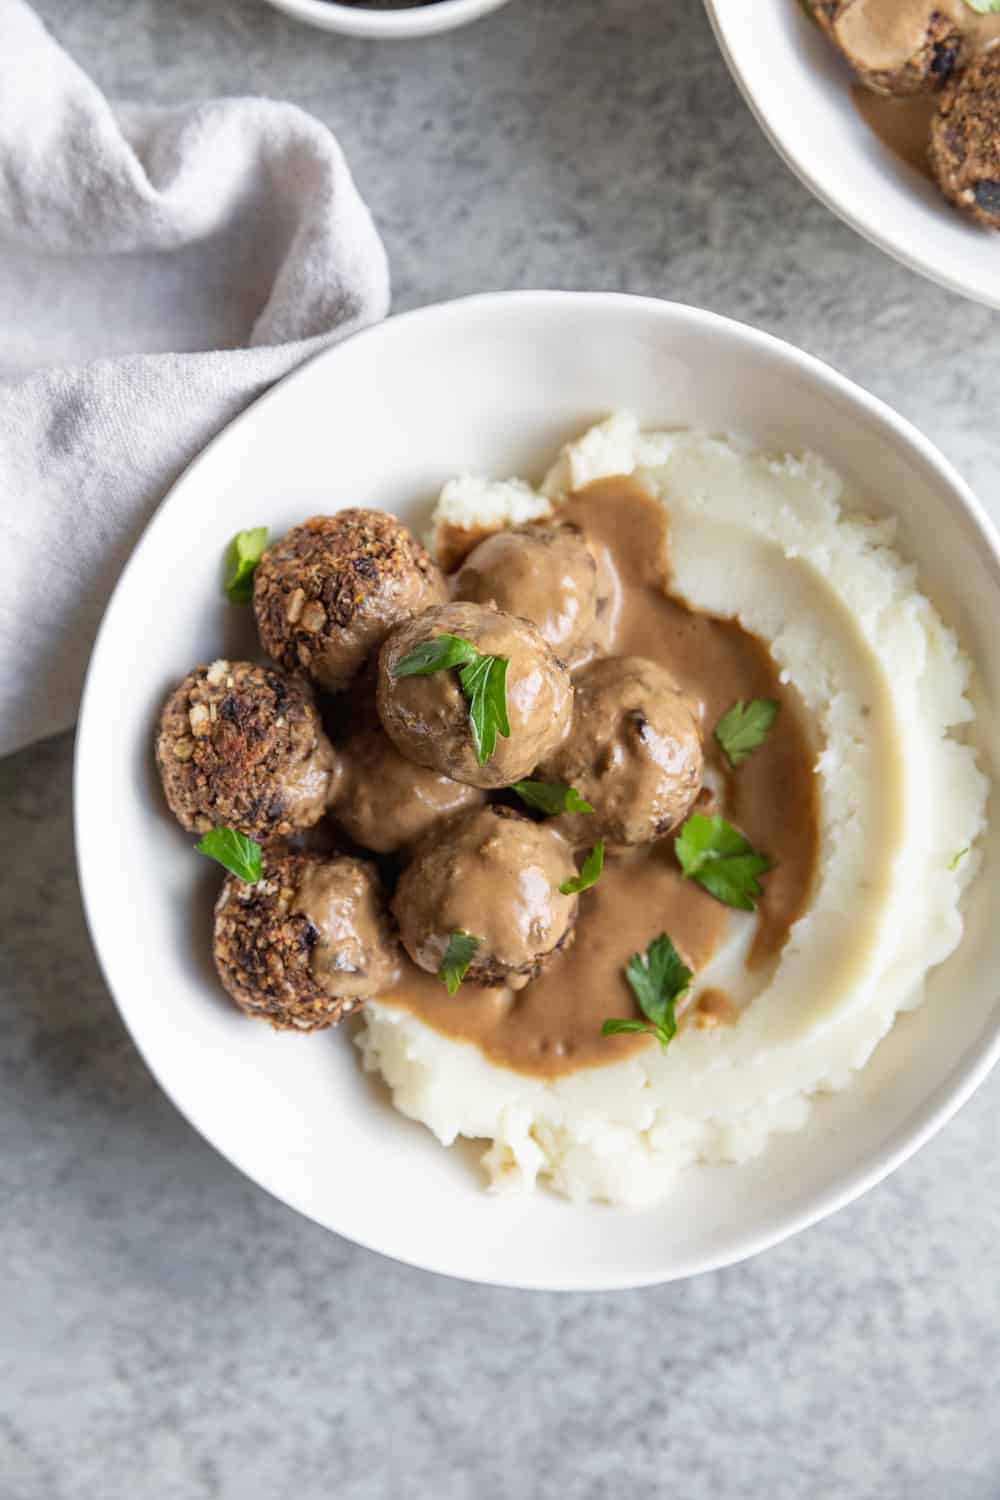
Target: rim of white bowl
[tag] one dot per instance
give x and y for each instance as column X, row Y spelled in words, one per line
column 906, row 255
column 953, row 1093
column 387, row 25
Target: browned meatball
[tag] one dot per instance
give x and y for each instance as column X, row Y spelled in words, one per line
column 329, row 592
column 386, row 802
column 427, row 718
column 241, row 746
column 965, row 140
column 890, row 58
column 633, row 752
column 494, row 875
column 309, row 942
column 548, row 575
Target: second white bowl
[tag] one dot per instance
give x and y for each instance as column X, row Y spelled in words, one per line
column 389, row 25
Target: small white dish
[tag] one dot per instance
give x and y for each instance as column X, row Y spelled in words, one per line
column 799, row 89
column 388, row 25
column 494, row 384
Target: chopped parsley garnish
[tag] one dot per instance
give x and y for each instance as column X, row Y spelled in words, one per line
column 957, row 858
column 551, row 797
column 716, row 854
column 437, row 655
column 483, row 679
column 242, row 556
column 457, row 958
column 745, row 726
column 984, row 7
column 234, row 851
column 590, row 872
column 658, row 978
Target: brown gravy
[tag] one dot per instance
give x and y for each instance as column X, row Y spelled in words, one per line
column 553, row 1025
column 904, row 125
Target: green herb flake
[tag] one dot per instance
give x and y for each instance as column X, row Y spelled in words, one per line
column 242, row 556
column 745, row 726
column 457, row 958
column 956, row 859
column 984, row 7
column 483, row 680
column 551, row 797
column 234, row 851
column 484, row 683
column 437, row 655
column 716, row 854
column 658, row 978
column 590, row 872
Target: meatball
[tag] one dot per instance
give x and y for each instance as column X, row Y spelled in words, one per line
column 496, row 875
column 633, row 752
column 918, row 65
column 329, row 592
column 242, row 746
column 427, row 718
column 386, row 802
column 965, row 140
column 309, row 942
column 548, row 575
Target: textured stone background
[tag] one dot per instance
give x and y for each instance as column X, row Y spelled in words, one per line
column 166, row 1330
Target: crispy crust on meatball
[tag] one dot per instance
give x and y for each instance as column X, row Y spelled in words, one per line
column 927, row 69
column 264, row 947
column 242, row 746
column 327, row 594
column 965, row 140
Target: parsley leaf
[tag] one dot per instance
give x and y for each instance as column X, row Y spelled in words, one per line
column 457, row 958
column 957, row 858
column 984, row 7
column 658, row 978
column 242, row 556
column 234, row 851
column 745, row 726
column 551, row 797
column 484, row 683
column 589, row 874
column 716, row 854
column 483, row 679
column 437, row 655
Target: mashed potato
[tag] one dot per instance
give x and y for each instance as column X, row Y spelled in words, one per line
column 771, row 543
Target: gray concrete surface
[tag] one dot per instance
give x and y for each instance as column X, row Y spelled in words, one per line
column 168, row 1332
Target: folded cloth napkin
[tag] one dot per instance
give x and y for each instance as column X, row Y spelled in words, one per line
column 159, row 268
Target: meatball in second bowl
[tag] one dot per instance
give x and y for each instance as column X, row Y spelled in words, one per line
column 307, row 943
column 427, row 715
column 241, row 746
column 329, row 592
column 633, row 752
column 494, row 876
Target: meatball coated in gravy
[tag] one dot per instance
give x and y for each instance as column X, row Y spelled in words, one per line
column 427, row 718
column 307, row 943
column 633, row 752
column 545, row 574
column 965, row 139
column 329, row 592
column 897, row 47
column 386, row 802
column 242, row 746
column 496, row 876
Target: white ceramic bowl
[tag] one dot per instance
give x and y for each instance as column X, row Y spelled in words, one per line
column 389, row 25
column 799, row 89
column 493, row 383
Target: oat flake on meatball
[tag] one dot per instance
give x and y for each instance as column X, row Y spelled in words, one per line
column 307, row 944
column 327, row 594
column 241, row 746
